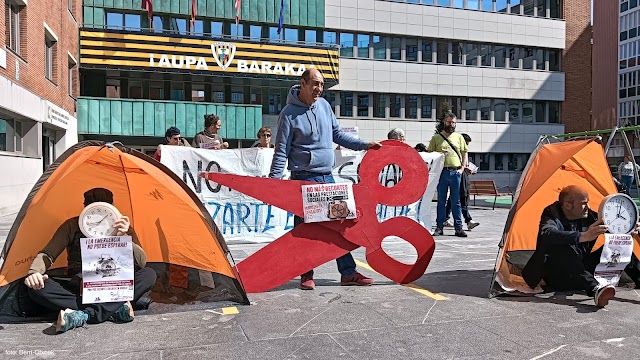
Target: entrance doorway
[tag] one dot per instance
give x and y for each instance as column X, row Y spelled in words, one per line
column 48, row 150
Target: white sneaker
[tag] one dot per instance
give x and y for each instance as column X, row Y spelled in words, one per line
column 472, row 224
column 603, row 295
column 448, row 223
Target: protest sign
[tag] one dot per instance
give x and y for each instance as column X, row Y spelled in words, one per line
column 241, row 218
column 107, row 269
column 616, row 255
column 328, row 202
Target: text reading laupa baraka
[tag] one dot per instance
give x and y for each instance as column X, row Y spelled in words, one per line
column 324, row 193
column 105, row 243
column 244, row 66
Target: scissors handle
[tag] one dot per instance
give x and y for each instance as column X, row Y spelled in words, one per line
column 410, row 231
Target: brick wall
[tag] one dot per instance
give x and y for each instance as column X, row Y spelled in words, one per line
column 605, row 64
column 576, row 63
column 64, row 25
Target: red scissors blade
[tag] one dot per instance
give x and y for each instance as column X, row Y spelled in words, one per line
column 284, row 194
column 294, row 253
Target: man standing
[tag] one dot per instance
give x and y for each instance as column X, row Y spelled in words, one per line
column 564, row 256
column 465, row 185
column 307, row 129
column 172, row 135
column 454, row 148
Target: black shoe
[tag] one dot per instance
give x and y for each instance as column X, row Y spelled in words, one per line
column 438, row 232
column 461, row 233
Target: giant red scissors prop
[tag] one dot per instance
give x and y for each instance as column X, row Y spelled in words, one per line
column 312, row 244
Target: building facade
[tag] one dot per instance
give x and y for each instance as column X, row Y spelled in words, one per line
column 38, row 91
column 629, row 66
column 498, row 64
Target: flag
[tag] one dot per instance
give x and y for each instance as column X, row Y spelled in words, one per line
column 237, row 12
column 148, row 5
column 193, row 14
column 281, row 20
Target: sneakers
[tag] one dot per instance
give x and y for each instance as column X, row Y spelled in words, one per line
column 448, row 223
column 355, row 279
column 438, row 232
column 472, row 224
column 124, row 314
column 69, row 319
column 461, row 233
column 306, row 282
column 603, row 295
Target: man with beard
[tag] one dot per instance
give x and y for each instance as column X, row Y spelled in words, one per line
column 454, row 148
column 307, row 129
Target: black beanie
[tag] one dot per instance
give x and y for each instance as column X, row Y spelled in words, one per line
column 98, row 195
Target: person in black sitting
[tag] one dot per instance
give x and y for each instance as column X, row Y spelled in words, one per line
column 563, row 257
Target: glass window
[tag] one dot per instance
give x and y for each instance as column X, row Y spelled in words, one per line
column 310, row 36
column 515, row 6
column 554, row 7
column 177, row 91
column 255, row 31
column 633, row 33
column 471, row 50
column 198, row 28
column 499, row 161
column 484, row 161
column 256, row 95
column 329, row 37
column 427, row 50
column 427, row 2
column 542, row 12
column 363, row 46
column 459, row 4
column 514, row 57
column 157, row 24
column 237, row 95
column 514, row 111
column 624, row 6
column 444, row 2
column 554, row 112
column 363, row 105
column 623, row 36
column 156, row 90
column 471, row 108
column 554, row 60
column 485, row 109
column 501, row 6
column 513, row 162
column 473, row 4
column 443, row 52
column 633, row 3
column 346, row 104
column 178, row 26
column 485, row 54
column 331, row 99
column 346, row 44
column 275, row 100
column 14, row 28
column 527, row 111
column 412, row 49
column 115, row 21
column 411, row 107
column 527, row 62
column 70, row 75
column 539, row 57
column 427, row 107
column 216, row 29
column 456, row 52
column 11, row 135
column 539, row 111
column 197, row 93
column 132, row 22
column 499, row 55
column 379, row 105
column 291, row 35
column 396, row 45
column 394, row 106
column 499, row 109
column 528, row 7
column 237, row 30
column 273, row 33
column 487, row 5
column 48, row 58
column 379, row 47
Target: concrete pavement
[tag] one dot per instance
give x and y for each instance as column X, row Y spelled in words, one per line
column 448, row 315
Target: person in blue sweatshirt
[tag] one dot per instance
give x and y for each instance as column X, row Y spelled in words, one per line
column 307, row 129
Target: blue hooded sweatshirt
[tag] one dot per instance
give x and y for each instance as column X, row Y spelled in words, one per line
column 306, row 135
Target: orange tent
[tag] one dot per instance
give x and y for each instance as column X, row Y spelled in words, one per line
column 171, row 223
column 551, row 168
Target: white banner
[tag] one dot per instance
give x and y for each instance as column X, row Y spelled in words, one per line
column 244, row 219
column 107, row 269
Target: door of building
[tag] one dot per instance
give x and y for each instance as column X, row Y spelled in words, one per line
column 48, row 151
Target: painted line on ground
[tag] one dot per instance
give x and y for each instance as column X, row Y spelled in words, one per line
column 413, row 287
column 230, row 310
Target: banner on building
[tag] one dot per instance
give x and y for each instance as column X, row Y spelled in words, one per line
column 241, row 218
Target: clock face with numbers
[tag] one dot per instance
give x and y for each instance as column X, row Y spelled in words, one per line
column 620, row 213
column 97, row 219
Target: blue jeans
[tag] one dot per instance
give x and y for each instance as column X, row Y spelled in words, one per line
column 626, row 181
column 449, row 180
column 465, row 211
column 346, row 264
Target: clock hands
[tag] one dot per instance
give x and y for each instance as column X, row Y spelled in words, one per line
column 97, row 222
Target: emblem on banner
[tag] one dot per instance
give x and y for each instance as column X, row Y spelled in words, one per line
column 223, row 53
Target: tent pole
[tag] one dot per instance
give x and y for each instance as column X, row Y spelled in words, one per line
column 633, row 160
column 613, row 134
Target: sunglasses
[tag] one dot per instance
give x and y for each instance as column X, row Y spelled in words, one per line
column 265, row 135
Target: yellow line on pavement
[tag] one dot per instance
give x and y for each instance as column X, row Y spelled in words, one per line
column 413, row 287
